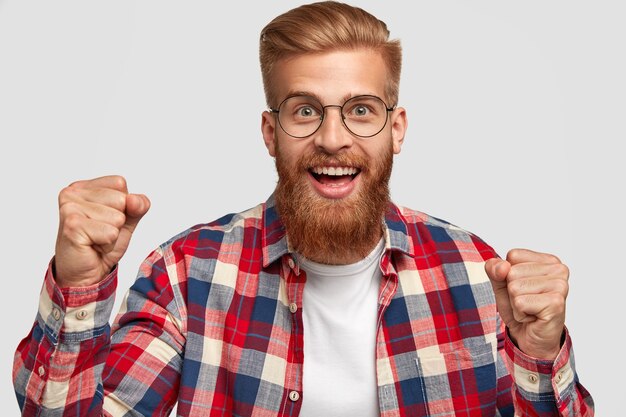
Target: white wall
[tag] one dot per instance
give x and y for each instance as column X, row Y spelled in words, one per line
column 516, row 133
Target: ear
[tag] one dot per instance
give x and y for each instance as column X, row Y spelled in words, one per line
column 268, row 128
column 399, row 124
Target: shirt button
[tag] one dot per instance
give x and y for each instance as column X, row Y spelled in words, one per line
column 533, row 378
column 41, row 370
column 291, row 263
column 82, row 314
column 294, row 396
column 559, row 377
column 56, row 314
column 293, row 307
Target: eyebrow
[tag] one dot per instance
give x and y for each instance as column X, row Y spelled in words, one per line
column 318, row 98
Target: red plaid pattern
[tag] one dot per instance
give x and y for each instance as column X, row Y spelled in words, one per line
column 207, row 323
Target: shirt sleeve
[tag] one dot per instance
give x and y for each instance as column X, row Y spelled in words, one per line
column 142, row 371
column 74, row 364
column 540, row 388
column 60, row 362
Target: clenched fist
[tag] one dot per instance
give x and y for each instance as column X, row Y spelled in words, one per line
column 530, row 289
column 96, row 220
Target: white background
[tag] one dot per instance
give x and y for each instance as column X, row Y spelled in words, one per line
column 516, row 133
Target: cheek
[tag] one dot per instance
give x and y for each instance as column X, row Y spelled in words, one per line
column 289, row 152
column 284, row 158
column 377, row 151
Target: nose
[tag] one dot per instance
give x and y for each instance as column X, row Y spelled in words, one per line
column 332, row 136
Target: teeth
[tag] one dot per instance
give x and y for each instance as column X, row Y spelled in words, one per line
column 337, row 171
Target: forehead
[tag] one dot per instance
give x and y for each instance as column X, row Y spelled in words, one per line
column 331, row 76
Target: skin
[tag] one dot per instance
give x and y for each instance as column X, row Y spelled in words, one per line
column 531, row 289
column 96, row 220
column 327, row 76
column 334, row 77
column 97, row 217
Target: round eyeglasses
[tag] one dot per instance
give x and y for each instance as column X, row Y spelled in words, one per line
column 301, row 116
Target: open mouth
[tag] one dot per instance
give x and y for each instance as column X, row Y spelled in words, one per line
column 334, row 176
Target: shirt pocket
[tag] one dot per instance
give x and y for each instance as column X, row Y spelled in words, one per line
column 459, row 382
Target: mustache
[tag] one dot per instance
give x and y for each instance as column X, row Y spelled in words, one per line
column 342, row 159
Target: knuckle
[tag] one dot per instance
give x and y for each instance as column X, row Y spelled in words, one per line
column 121, row 200
column 75, row 184
column 118, row 200
column 67, row 209
column 553, row 259
column 118, row 219
column 561, row 270
column 67, row 193
column 71, row 224
column 109, row 234
column 119, row 182
column 563, row 287
column 515, row 273
column 518, row 302
column 513, row 255
column 516, row 288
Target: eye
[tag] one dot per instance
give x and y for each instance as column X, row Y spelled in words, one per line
column 304, row 112
column 360, row 110
column 307, row 111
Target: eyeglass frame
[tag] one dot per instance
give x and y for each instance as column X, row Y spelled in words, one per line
column 322, row 116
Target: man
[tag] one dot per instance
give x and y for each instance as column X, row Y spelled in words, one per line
column 325, row 300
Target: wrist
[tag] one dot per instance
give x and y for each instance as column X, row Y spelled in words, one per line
column 61, row 282
column 539, row 351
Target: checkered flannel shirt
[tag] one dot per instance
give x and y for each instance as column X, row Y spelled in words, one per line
column 214, row 321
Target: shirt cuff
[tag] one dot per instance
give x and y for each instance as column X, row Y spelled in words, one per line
column 541, row 380
column 75, row 313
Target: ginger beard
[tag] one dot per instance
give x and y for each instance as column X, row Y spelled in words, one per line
column 333, row 231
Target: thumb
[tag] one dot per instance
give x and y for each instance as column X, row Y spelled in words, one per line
column 497, row 270
column 136, row 206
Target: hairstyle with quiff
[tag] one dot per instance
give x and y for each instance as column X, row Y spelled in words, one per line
column 323, row 27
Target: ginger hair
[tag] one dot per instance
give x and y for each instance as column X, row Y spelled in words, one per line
column 324, row 27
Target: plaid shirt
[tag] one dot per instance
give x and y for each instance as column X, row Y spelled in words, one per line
column 214, row 321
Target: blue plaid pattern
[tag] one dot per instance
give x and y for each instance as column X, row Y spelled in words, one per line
column 207, row 324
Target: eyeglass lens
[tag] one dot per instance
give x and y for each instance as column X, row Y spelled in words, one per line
column 301, row 116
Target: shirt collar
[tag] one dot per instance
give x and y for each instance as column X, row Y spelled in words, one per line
column 275, row 243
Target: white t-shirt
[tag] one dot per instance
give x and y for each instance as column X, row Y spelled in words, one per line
column 340, row 304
